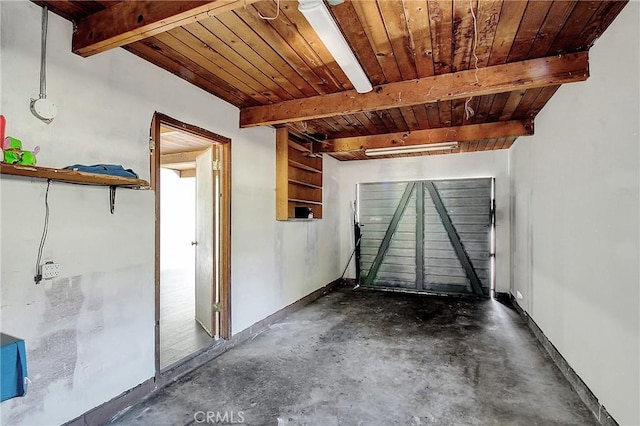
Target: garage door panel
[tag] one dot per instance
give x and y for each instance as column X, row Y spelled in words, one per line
column 404, row 226
column 379, row 235
column 462, row 193
column 462, row 184
column 452, row 252
column 460, row 210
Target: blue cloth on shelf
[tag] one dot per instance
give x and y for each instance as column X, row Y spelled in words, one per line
column 13, row 363
column 105, row 169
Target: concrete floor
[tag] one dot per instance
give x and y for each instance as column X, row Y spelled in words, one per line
column 372, row 358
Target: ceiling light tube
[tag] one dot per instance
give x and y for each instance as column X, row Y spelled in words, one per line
column 409, row 149
column 322, row 22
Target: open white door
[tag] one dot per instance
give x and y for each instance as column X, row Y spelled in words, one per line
column 205, row 241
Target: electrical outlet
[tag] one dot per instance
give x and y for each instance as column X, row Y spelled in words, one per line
column 50, row 270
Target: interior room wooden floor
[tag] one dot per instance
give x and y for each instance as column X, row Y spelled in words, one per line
column 180, row 334
column 371, row 358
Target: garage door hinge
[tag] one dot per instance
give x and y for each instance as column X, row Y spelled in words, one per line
column 217, row 166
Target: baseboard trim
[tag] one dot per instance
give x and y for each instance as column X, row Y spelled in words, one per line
column 121, row 403
column 581, row 388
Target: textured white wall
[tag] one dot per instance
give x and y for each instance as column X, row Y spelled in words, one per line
column 90, row 335
column 575, row 188
column 448, row 166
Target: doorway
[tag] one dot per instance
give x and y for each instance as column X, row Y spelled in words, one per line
column 191, row 178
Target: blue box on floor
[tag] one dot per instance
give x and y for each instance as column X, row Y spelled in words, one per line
column 13, row 367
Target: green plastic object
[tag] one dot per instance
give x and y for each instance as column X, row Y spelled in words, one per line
column 13, row 153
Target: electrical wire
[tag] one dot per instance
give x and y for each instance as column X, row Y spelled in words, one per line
column 45, row 231
column 267, row 18
column 469, row 112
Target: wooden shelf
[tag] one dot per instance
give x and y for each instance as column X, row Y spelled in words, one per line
column 71, row 176
column 298, row 177
column 297, row 200
column 307, row 184
column 303, row 167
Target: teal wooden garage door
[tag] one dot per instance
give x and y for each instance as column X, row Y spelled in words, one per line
column 427, row 236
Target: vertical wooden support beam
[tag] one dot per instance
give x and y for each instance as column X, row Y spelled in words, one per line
column 282, row 174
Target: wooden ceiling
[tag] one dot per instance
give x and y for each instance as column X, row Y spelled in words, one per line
column 420, row 56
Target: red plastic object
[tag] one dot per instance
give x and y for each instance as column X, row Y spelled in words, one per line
column 3, row 124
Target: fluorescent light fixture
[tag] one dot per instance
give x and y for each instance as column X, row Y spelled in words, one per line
column 410, row 149
column 318, row 16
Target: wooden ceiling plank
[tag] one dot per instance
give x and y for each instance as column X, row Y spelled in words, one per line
column 433, row 114
column 380, row 125
column 71, row 10
column 534, row 16
column 373, row 25
column 541, row 101
column 129, row 21
column 463, row 34
column 179, row 157
column 510, row 17
column 458, row 113
column 598, row 23
column 441, row 23
column 507, row 77
column 398, row 118
column 388, row 121
column 182, row 41
column 553, row 23
column 421, row 137
column 158, row 54
column 246, row 35
column 487, row 18
column 417, row 14
column 362, row 123
column 318, row 52
column 409, row 118
column 525, row 104
column 232, row 41
column 291, row 33
column 574, row 25
column 274, row 40
column 348, row 21
column 395, row 22
column 512, row 103
column 246, row 70
column 422, row 119
column 483, row 108
column 189, row 173
column 497, row 106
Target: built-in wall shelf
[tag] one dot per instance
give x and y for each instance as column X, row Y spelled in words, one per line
column 298, row 177
column 72, row 176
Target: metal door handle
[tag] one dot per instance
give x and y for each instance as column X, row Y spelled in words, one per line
column 194, row 243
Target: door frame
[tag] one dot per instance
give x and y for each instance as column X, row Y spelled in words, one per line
column 157, row 121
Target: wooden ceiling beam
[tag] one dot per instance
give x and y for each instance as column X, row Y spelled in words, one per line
column 130, row 21
column 179, row 157
column 521, row 75
column 471, row 132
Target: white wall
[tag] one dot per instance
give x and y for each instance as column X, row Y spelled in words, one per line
column 575, row 188
column 178, row 224
column 90, row 335
column 448, row 166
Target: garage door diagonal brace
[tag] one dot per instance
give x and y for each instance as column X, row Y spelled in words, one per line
column 384, row 246
column 455, row 239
